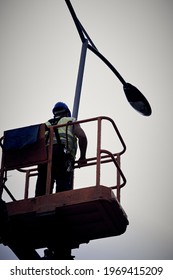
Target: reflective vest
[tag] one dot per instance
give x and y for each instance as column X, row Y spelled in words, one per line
column 66, row 135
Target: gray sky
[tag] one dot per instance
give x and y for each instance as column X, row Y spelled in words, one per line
column 39, row 54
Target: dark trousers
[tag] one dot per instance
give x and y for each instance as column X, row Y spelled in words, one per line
column 59, row 173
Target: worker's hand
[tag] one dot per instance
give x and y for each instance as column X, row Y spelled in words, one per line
column 82, row 162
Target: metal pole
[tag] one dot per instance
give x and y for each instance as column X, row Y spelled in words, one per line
column 98, row 165
column 79, row 79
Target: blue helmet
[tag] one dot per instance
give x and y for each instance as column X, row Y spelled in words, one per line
column 61, row 107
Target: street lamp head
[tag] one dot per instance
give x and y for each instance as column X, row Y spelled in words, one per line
column 137, row 100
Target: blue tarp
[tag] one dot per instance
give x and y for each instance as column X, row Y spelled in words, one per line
column 19, row 138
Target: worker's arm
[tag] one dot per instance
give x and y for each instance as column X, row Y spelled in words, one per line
column 80, row 134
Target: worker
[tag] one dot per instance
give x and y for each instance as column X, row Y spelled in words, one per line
column 64, row 151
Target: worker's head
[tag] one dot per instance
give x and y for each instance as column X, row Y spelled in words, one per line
column 61, row 108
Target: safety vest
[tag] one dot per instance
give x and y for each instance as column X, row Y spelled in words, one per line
column 65, row 134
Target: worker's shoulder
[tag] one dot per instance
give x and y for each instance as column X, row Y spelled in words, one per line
column 66, row 120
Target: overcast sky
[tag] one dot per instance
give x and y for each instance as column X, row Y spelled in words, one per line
column 39, row 54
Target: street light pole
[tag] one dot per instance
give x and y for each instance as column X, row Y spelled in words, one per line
column 79, row 79
column 135, row 98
